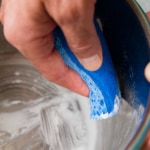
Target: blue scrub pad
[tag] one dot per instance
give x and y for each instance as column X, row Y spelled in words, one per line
column 104, row 91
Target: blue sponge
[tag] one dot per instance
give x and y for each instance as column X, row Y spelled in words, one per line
column 104, row 91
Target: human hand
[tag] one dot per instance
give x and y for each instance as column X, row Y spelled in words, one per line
column 28, row 26
column 148, row 15
column 146, row 145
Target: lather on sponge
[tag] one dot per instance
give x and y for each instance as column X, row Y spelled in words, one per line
column 104, row 91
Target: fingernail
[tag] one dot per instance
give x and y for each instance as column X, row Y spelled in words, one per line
column 92, row 63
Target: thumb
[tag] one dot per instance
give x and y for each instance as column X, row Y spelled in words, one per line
column 83, row 40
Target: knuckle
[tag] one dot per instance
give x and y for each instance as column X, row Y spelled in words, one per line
column 72, row 16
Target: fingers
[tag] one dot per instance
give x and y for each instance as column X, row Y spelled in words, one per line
column 49, row 62
column 75, row 18
column 29, row 28
column 84, row 42
column 148, row 15
column 52, row 66
column 146, row 145
column 147, row 72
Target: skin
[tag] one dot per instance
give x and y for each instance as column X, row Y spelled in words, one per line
column 29, row 29
column 146, row 145
column 28, row 26
column 148, row 15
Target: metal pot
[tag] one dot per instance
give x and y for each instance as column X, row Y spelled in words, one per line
column 36, row 114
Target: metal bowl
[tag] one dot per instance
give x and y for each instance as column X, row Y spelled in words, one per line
column 36, row 114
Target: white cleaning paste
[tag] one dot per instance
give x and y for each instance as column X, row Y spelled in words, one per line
column 66, row 124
